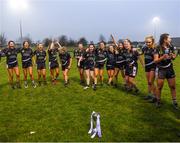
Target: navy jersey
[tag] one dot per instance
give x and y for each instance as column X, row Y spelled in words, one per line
column 78, row 53
column 26, row 54
column 11, row 55
column 131, row 58
column 52, row 54
column 89, row 58
column 149, row 55
column 100, row 56
column 120, row 56
column 161, row 51
column 110, row 58
column 40, row 56
column 65, row 58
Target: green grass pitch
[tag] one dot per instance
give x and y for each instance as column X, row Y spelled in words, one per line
column 56, row 113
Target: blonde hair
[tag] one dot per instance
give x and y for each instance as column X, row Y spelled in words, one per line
column 152, row 39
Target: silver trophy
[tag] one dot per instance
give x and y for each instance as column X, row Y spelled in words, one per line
column 95, row 121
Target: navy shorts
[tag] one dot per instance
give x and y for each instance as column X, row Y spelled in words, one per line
column 65, row 67
column 166, row 73
column 26, row 65
column 150, row 68
column 53, row 65
column 41, row 66
column 120, row 66
column 99, row 65
column 89, row 67
column 10, row 66
column 110, row 67
column 131, row 70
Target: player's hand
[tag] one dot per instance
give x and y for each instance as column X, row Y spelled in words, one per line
column 87, row 50
column 166, row 56
column 173, row 56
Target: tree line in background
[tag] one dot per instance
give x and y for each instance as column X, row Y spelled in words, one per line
column 68, row 42
column 63, row 40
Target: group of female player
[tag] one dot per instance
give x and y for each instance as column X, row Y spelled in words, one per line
column 118, row 58
column 38, row 57
column 123, row 57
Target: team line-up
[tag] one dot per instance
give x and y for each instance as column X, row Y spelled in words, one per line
column 119, row 57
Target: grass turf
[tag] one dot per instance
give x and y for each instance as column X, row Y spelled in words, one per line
column 56, row 113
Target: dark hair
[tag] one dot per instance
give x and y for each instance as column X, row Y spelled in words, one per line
column 120, row 41
column 91, row 44
column 25, row 42
column 129, row 41
column 102, row 42
column 10, row 42
column 80, row 43
column 162, row 38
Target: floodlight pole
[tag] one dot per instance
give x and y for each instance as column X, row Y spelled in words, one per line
column 21, row 31
column 155, row 30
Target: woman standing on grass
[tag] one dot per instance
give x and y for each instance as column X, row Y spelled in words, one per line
column 100, row 60
column 12, row 63
column 27, row 55
column 66, row 61
column 78, row 53
column 40, row 54
column 132, row 56
column 110, row 64
column 53, row 62
column 89, row 62
column 164, row 56
column 120, row 60
column 149, row 50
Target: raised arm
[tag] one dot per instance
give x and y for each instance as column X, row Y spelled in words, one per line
column 3, row 52
column 51, row 46
column 114, row 41
column 59, row 45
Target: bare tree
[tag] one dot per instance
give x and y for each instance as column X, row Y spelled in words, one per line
column 102, row 38
column 47, row 41
column 3, row 40
column 110, row 41
column 71, row 43
column 27, row 38
column 63, row 40
column 83, row 41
